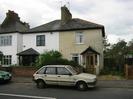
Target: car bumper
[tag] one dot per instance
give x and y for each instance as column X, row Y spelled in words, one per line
column 5, row 79
column 92, row 84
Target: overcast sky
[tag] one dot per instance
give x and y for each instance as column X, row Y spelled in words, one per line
column 115, row 15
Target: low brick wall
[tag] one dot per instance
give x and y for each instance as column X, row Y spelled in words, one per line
column 20, row 71
column 23, row 71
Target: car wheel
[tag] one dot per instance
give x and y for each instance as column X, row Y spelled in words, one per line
column 82, row 86
column 41, row 84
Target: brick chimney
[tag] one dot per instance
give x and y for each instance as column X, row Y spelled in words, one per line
column 12, row 15
column 65, row 15
column 11, row 21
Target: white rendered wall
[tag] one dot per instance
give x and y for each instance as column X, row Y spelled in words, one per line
column 51, row 41
column 10, row 50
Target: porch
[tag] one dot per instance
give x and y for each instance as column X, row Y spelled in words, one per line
column 91, row 60
column 27, row 57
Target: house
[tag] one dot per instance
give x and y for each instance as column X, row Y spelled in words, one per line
column 76, row 39
column 11, row 38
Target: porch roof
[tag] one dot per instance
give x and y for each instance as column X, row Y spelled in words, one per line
column 29, row 51
column 90, row 50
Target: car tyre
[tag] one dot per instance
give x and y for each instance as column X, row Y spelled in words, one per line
column 82, row 86
column 41, row 84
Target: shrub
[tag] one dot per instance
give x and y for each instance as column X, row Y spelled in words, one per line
column 107, row 71
column 54, row 58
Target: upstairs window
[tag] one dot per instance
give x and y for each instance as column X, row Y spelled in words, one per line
column 40, row 40
column 79, row 38
column 5, row 40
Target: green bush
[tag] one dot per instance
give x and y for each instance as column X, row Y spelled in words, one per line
column 53, row 58
column 108, row 71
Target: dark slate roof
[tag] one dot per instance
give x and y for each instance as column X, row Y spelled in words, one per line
column 13, row 27
column 74, row 24
column 90, row 50
column 29, row 51
column 12, row 23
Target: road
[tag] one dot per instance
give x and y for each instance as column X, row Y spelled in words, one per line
column 29, row 91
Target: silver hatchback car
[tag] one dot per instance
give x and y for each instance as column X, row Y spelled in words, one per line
column 63, row 75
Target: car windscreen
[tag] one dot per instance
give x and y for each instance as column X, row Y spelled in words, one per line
column 72, row 70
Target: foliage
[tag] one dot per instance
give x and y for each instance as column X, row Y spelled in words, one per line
column 111, row 72
column 117, row 50
column 114, row 57
column 130, row 45
column 53, row 58
column 106, row 43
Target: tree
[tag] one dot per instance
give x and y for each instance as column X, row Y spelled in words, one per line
column 116, row 54
column 130, row 45
column 106, row 44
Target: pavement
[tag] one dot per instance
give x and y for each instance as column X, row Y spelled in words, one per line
column 101, row 83
column 115, row 83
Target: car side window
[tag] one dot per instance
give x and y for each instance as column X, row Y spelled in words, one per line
column 42, row 71
column 62, row 71
column 50, row 70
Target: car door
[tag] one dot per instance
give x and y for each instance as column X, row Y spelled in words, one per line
column 65, row 77
column 50, row 76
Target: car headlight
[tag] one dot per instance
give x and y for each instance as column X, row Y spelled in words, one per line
column 10, row 75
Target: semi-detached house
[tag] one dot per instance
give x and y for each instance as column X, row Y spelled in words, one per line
column 76, row 39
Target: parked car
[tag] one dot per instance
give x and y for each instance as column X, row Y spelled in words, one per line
column 5, row 76
column 63, row 75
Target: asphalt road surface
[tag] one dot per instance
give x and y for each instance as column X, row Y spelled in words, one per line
column 29, row 91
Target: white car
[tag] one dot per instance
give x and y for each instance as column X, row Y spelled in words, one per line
column 63, row 75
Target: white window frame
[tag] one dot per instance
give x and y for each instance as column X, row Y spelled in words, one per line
column 75, row 55
column 40, row 42
column 79, row 37
column 8, row 58
column 6, row 40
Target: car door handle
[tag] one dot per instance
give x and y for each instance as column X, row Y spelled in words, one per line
column 58, row 76
column 45, row 75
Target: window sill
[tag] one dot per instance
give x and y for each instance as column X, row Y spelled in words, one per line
column 79, row 43
column 40, row 46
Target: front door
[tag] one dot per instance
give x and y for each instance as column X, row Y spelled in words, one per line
column 90, row 63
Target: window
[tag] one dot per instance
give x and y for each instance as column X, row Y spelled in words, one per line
column 5, row 40
column 42, row 71
column 50, row 70
column 40, row 40
column 79, row 38
column 75, row 58
column 62, row 71
column 7, row 60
